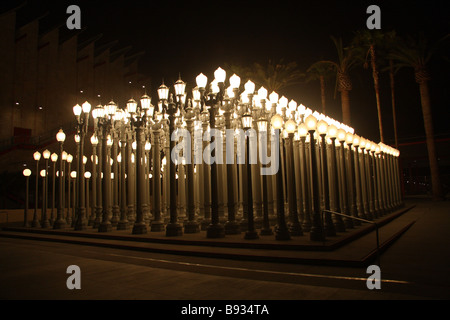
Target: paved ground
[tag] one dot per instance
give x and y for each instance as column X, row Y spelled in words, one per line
column 414, row 267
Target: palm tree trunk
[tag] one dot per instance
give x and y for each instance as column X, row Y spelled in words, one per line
column 345, row 101
column 394, row 115
column 322, row 92
column 377, row 90
column 429, row 132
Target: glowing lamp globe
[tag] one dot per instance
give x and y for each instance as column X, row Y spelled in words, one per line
column 86, row 107
column 54, row 157
column 163, row 92
column 60, row 136
column 42, row 173
column 341, row 135
column 201, row 80
column 220, row 75
column 283, row 102
column 246, row 120
column 249, row 87
column 302, row 130
column 26, row 172
column 262, row 93
column 276, row 122
column 37, row 156
column 235, row 81
column 262, row 125
column 311, row 122
column 290, row 126
column 273, row 97
column 332, row 131
column 145, row 102
column 77, row 110
column 46, row 154
column 349, row 138
column 356, row 140
column 322, row 127
column 292, row 106
column 179, row 86
column 69, row 158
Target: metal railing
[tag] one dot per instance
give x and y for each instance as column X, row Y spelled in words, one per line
column 359, row 219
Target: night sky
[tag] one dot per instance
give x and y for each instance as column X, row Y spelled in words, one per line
column 189, row 37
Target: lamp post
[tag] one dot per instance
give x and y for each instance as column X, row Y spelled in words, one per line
column 35, row 223
column 322, row 129
column 83, row 120
column 45, row 222
column 54, row 158
column 306, row 223
column 70, row 203
column 94, row 160
column 338, row 222
column 138, row 119
column 266, row 229
column 105, row 122
column 157, row 224
column 281, row 230
column 173, row 228
column 250, row 233
column 212, row 101
column 87, row 176
column 353, row 192
column 345, row 181
column 60, row 223
column 191, row 226
column 316, row 233
column 26, row 173
column 123, row 223
column 295, row 228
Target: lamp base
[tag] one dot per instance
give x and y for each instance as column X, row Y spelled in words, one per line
column 105, row 227
column 250, row 235
column 173, row 230
column 59, row 224
column 215, row 231
column 156, row 226
column 139, row 228
column 232, row 227
column 191, row 227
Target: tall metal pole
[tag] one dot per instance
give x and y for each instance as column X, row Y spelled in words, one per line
column 35, row 223
column 60, row 222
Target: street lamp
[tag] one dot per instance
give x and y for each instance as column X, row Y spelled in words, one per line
column 250, row 233
column 104, row 117
column 316, row 233
column 35, row 223
column 281, row 230
column 322, row 129
column 338, row 222
column 83, row 120
column 45, row 223
column 70, row 202
column 295, row 228
column 349, row 140
column 44, row 220
column 26, row 173
column 262, row 129
column 138, row 119
column 60, row 223
column 87, row 176
column 54, row 158
column 306, row 193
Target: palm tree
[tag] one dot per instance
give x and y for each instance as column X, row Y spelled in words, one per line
column 274, row 76
column 416, row 54
column 346, row 60
column 366, row 43
column 320, row 71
